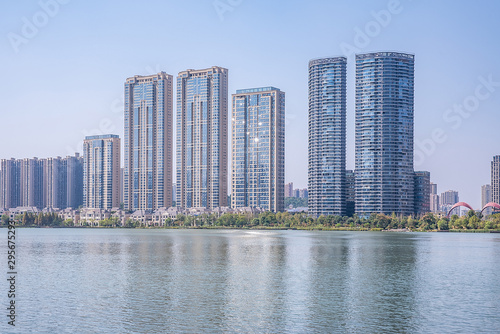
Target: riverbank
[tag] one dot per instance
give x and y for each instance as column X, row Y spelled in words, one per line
column 264, row 228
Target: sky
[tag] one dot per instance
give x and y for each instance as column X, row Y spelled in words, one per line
column 64, row 64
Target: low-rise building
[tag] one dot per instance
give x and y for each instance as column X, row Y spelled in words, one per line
column 92, row 216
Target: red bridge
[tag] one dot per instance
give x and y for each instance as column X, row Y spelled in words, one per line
column 489, row 205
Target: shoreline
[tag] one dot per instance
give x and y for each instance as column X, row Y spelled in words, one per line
column 261, row 228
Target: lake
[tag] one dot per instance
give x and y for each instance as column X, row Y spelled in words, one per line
column 251, row 281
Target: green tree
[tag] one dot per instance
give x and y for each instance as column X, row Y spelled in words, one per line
column 428, row 222
column 442, row 224
column 473, row 222
column 295, row 202
column 5, row 220
column 68, row 222
column 130, row 223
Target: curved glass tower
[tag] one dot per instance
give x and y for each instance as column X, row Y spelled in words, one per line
column 327, row 136
column 384, row 133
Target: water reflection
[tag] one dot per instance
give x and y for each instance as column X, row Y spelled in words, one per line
column 138, row 281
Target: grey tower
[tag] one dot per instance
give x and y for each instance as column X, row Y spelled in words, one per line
column 384, row 133
column 327, row 136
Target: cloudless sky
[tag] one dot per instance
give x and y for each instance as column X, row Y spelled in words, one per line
column 66, row 79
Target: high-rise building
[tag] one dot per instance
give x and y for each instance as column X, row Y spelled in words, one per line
column 447, row 200
column 350, row 192
column 202, row 138
column 54, row 194
column 486, row 198
column 449, row 197
column 74, row 180
column 422, row 192
column 258, row 148
column 51, row 182
column 148, row 146
column 32, row 182
column 10, row 183
column 289, row 189
column 434, row 198
column 495, row 179
column 327, row 136
column 434, row 188
column 384, row 133
column 434, row 203
column 303, row 193
column 101, row 171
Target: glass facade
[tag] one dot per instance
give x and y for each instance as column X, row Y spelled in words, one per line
column 148, row 142
column 327, row 136
column 350, row 192
column 258, row 146
column 422, row 185
column 384, row 133
column 202, row 138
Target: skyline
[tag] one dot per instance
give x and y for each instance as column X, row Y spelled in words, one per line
column 55, row 72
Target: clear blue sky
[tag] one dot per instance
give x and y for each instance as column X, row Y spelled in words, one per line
column 66, row 79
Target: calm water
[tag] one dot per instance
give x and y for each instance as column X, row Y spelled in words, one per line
column 198, row 281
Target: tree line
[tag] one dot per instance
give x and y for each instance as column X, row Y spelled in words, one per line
column 374, row 221
column 427, row 222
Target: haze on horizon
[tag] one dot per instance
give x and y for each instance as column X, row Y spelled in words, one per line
column 64, row 64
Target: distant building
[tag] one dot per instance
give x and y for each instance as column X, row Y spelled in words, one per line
column 32, row 183
column 447, row 200
column 55, row 191
column 202, row 138
column 10, row 183
column 495, row 179
column 258, row 156
column 101, row 171
column 42, row 183
column 74, row 181
column 289, row 189
column 434, row 203
column 434, row 199
column 486, row 198
column 434, row 188
column 350, row 192
column 422, row 192
column 449, row 197
column 303, row 193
